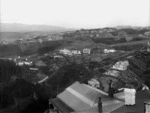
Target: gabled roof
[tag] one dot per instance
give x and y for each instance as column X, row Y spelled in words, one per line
column 82, row 98
column 141, row 97
column 79, row 96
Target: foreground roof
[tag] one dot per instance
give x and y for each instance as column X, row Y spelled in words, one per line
column 81, row 98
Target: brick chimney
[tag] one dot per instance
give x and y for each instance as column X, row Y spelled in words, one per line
column 100, row 110
column 110, row 90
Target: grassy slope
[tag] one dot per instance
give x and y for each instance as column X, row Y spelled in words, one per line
column 131, row 43
column 128, row 46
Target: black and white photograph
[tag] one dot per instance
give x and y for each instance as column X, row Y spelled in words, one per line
column 74, row 56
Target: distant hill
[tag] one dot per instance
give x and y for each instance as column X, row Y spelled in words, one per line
column 15, row 27
column 14, row 31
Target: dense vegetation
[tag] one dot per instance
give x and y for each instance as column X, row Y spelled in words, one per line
column 8, row 69
column 68, row 74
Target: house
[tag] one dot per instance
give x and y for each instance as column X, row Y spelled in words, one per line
column 114, row 73
column 58, row 56
column 65, row 51
column 70, row 52
column 34, row 69
column 86, row 50
column 109, row 50
column 40, row 41
column 39, row 63
column 22, row 63
column 76, row 52
column 147, row 33
column 129, row 38
column 82, row 98
column 121, row 65
column 94, row 83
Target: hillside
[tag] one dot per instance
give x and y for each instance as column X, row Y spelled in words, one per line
column 13, row 31
column 11, row 36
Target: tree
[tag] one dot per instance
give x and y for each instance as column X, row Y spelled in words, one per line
column 68, row 74
column 8, row 69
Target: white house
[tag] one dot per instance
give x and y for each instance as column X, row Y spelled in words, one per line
column 34, row 69
column 58, row 56
column 86, row 50
column 114, row 73
column 94, row 83
column 28, row 63
column 121, row 65
column 70, row 52
column 65, row 51
column 147, row 33
column 109, row 50
column 76, row 52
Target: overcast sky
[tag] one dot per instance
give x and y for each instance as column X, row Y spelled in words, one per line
column 76, row 13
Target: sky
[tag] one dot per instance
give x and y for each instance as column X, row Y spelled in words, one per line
column 76, row 13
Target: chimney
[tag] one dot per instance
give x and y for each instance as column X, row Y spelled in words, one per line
column 147, row 107
column 110, row 90
column 130, row 96
column 100, row 110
